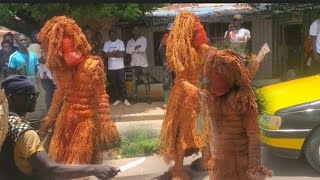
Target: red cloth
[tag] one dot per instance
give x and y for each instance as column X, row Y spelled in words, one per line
column 165, row 38
column 231, row 35
column 200, row 35
column 220, row 85
column 71, row 55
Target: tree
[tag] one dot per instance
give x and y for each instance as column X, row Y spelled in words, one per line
column 28, row 16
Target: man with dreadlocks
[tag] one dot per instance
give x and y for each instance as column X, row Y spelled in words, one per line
column 185, row 56
column 79, row 112
column 234, row 129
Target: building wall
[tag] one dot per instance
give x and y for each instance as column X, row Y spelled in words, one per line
column 262, row 32
column 280, row 50
column 102, row 25
column 155, row 71
column 280, row 55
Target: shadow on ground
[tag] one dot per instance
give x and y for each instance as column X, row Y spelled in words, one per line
column 287, row 167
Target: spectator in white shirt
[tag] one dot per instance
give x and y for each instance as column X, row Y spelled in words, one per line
column 240, row 39
column 114, row 50
column 136, row 47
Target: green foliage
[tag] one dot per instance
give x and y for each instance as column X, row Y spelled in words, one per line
column 33, row 15
column 260, row 100
column 262, row 105
column 139, row 143
column 223, row 44
column 44, row 11
column 5, row 13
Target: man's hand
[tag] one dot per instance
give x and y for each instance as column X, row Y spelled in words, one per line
column 46, row 126
column 110, row 54
column 137, row 47
column 105, row 172
column 115, row 53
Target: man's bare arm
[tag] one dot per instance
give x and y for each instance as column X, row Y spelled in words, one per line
column 49, row 168
column 119, row 54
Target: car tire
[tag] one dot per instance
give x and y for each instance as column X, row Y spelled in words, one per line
column 312, row 151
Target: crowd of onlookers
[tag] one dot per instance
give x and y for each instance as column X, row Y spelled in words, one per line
column 23, row 55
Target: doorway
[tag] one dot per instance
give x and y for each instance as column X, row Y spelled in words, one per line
column 294, row 43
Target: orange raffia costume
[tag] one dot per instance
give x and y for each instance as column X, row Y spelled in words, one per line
column 185, row 56
column 79, row 112
column 234, row 128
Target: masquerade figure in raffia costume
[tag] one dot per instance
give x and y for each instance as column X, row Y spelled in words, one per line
column 79, row 113
column 253, row 66
column 179, row 136
column 234, row 129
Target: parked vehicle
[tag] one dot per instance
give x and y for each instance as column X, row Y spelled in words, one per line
column 291, row 126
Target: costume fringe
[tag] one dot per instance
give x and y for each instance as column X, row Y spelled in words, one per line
column 183, row 107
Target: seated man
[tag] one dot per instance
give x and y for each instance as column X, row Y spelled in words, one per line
column 22, row 156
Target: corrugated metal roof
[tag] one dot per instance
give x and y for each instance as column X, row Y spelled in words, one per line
column 207, row 12
column 205, row 9
column 218, row 12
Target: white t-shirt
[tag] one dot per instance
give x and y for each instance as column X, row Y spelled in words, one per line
column 138, row 56
column 113, row 62
column 241, row 35
column 315, row 31
column 239, row 40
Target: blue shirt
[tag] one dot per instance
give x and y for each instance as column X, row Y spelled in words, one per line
column 17, row 61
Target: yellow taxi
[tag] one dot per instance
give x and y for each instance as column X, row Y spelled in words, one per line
column 291, row 124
